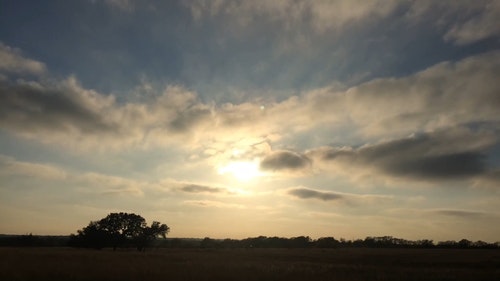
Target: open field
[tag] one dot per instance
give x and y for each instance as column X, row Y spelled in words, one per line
column 249, row 264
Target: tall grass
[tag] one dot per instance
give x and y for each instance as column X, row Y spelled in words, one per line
column 249, row 264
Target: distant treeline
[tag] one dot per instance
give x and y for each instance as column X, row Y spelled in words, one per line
column 30, row 240
column 327, row 242
column 263, row 242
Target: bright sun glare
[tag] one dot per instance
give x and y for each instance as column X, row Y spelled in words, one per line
column 241, row 170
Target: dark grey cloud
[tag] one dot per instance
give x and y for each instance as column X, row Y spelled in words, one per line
column 35, row 107
column 285, row 160
column 63, row 111
column 455, row 165
column 442, row 155
column 195, row 188
column 490, row 179
column 306, row 193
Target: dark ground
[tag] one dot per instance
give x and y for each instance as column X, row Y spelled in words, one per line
column 249, row 264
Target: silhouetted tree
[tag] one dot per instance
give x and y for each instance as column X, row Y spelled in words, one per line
column 425, row 243
column 327, row 242
column 150, row 233
column 480, row 245
column 91, row 236
column 229, row 243
column 300, row 242
column 118, row 230
column 464, row 243
column 208, row 242
column 448, row 244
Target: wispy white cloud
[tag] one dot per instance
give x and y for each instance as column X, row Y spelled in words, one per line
column 213, row 204
column 109, row 185
column 11, row 167
column 120, row 5
column 84, row 182
column 321, row 16
column 463, row 22
column 13, row 61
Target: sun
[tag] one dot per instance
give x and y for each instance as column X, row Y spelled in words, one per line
column 241, row 170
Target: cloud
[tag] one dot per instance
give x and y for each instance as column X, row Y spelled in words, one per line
column 33, row 107
column 172, row 185
column 213, row 204
column 320, row 16
column 123, row 191
column 188, row 118
column 108, row 184
column 328, row 15
column 349, row 199
column 306, row 193
column 464, row 22
column 441, row 155
column 284, row 160
column 63, row 112
column 195, row 188
column 449, row 94
column 88, row 182
column 490, row 179
column 12, row 167
column 483, row 26
column 119, row 5
column 445, row 95
column 12, row 61
column 466, row 214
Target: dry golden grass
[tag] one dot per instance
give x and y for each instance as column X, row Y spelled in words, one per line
column 249, row 264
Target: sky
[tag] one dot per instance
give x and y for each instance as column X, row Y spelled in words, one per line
column 234, row 119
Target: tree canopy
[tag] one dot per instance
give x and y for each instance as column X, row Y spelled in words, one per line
column 119, row 230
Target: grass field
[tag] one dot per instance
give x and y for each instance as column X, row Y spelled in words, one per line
column 249, row 264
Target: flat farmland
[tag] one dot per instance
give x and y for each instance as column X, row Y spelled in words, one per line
column 249, row 264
